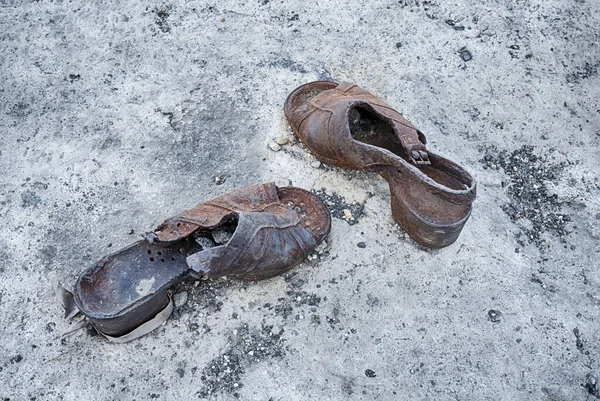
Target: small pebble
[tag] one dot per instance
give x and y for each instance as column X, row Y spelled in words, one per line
column 347, row 214
column 204, row 242
column 315, row 164
column 465, row 55
column 592, row 385
column 494, row 315
column 361, row 245
column 282, row 141
column 369, row 373
column 283, row 182
column 321, row 248
column 274, row 147
column 180, row 298
column 221, row 235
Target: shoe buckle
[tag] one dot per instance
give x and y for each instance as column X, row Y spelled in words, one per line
column 419, row 157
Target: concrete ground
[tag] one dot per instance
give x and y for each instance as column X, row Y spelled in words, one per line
column 117, row 115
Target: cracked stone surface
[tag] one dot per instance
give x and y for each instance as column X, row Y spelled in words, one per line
column 114, row 117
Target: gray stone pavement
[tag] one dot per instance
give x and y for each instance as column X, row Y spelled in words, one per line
column 117, row 115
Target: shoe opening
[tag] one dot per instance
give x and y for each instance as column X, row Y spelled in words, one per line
column 217, row 236
column 369, row 128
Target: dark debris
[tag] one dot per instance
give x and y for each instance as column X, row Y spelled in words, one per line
column 454, row 26
column 205, row 297
column 586, row 71
column 528, row 193
column 580, row 341
column 350, row 212
column 494, row 316
column 162, row 14
column 30, row 198
column 294, row 298
column 465, row 55
column 224, row 373
column 592, row 385
column 219, row 180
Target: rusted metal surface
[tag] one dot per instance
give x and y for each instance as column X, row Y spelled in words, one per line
column 273, row 229
column 348, row 127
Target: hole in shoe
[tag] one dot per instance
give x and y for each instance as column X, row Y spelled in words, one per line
column 367, row 127
column 218, row 236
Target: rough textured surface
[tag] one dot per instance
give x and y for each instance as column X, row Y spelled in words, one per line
column 114, row 117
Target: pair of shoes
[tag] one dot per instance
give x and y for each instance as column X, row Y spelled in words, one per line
column 348, row 127
column 262, row 231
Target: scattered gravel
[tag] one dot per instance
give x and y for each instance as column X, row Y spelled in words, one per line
column 583, row 72
column 274, row 147
column 249, row 346
column 350, row 212
column 529, row 196
column 205, row 296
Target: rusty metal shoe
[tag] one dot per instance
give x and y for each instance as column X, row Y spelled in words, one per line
column 253, row 233
column 346, row 126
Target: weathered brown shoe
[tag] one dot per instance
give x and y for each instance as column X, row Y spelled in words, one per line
column 348, row 127
column 253, row 233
